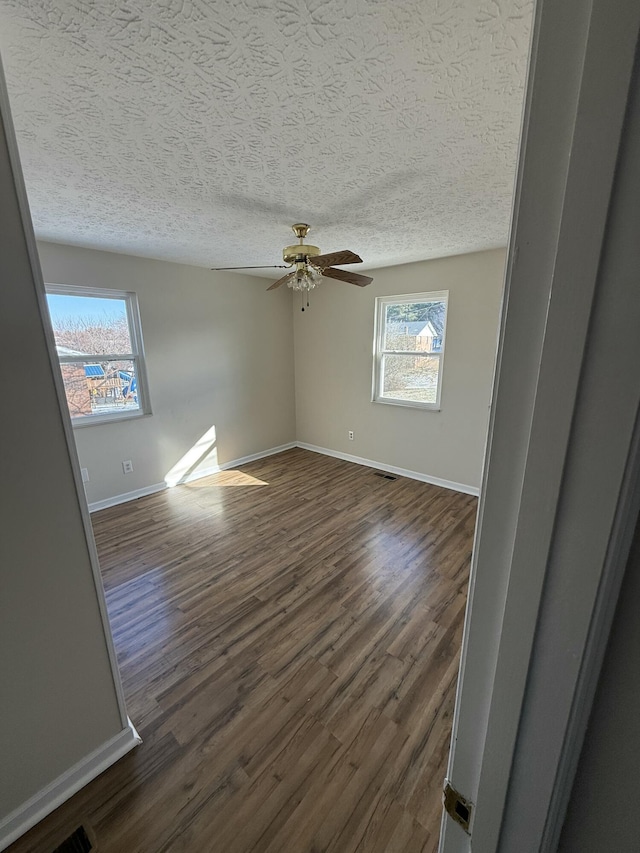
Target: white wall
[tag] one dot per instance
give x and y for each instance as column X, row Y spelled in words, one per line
column 219, row 352
column 58, row 695
column 333, row 359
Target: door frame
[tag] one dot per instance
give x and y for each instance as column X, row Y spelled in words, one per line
column 525, row 623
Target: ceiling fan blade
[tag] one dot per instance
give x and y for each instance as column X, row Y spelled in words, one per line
column 333, row 258
column 350, row 277
column 281, row 281
column 267, row 267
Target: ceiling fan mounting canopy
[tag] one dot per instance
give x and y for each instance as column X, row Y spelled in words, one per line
column 301, row 229
column 293, row 254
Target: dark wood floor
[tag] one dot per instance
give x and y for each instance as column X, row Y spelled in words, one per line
column 288, row 636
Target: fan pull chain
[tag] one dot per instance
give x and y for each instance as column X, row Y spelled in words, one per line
column 302, row 297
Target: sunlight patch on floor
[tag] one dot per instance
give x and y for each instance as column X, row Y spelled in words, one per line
column 229, row 478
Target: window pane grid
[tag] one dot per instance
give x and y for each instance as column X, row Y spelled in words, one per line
column 410, row 352
column 99, row 348
column 87, row 359
column 409, row 348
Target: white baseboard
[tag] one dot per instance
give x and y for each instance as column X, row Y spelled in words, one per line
column 127, row 496
column 65, row 786
column 196, row 475
column 392, row 469
column 234, row 463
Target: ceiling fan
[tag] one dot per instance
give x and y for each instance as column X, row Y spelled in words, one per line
column 310, row 265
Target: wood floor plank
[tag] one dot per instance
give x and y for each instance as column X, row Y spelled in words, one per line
column 288, row 635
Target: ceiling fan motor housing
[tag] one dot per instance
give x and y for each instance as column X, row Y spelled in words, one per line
column 290, row 253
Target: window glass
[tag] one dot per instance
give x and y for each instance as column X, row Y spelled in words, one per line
column 90, row 324
column 413, row 325
column 413, row 379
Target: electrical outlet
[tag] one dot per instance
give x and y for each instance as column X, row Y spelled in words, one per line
column 127, row 466
column 85, row 475
column 350, row 435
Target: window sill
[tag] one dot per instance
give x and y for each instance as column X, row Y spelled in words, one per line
column 408, row 404
column 99, row 420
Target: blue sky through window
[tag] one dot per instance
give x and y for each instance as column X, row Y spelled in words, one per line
column 63, row 307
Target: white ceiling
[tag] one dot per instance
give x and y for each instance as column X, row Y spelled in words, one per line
column 200, row 130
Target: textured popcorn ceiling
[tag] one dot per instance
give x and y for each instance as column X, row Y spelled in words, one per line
column 200, row 130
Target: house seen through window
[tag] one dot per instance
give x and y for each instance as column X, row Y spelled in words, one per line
column 409, row 348
column 99, row 345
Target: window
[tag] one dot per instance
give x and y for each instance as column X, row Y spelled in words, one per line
column 99, row 345
column 408, row 349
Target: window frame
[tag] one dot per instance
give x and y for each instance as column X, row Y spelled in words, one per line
column 137, row 355
column 379, row 352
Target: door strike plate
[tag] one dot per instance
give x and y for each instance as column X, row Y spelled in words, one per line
column 456, row 806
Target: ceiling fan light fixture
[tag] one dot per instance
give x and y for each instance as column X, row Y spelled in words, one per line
column 305, row 277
